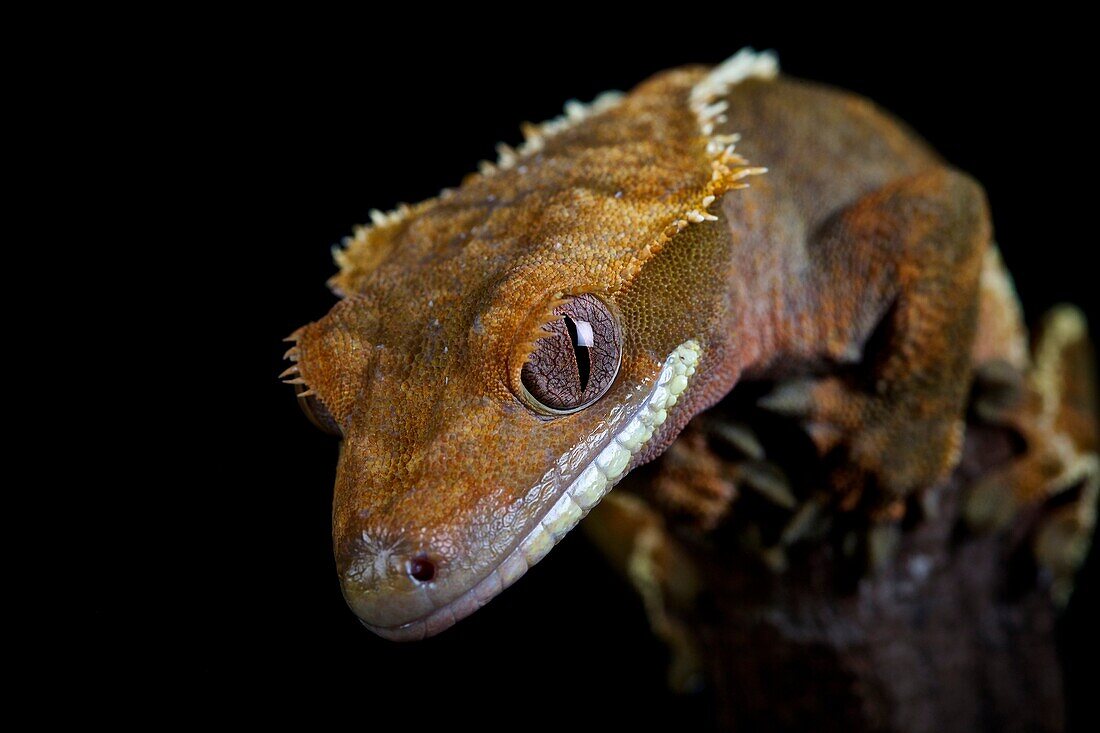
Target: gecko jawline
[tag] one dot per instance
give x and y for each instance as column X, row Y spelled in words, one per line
column 591, row 485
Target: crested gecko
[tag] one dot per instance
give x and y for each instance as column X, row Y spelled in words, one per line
column 505, row 353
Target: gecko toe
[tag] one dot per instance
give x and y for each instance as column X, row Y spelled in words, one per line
column 794, row 398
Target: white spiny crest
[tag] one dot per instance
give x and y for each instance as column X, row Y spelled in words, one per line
column 535, row 137
column 745, row 64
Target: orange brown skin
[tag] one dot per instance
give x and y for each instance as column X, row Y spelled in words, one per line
column 856, row 229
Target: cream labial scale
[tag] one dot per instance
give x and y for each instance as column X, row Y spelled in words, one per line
column 584, row 493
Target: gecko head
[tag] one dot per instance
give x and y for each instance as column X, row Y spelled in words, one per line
column 468, row 454
column 505, row 353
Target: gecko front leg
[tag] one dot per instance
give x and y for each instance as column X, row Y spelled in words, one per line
column 895, row 275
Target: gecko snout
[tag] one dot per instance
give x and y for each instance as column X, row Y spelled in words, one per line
column 387, row 585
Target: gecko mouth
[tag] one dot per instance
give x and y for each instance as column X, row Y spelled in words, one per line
column 585, row 491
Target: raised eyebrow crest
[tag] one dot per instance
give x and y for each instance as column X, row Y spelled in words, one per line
column 358, row 255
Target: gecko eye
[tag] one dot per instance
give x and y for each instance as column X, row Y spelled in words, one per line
column 575, row 362
column 317, row 413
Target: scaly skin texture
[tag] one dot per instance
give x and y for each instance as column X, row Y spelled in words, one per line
column 852, row 270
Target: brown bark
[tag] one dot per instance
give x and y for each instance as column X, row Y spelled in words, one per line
column 954, row 633
column 806, row 605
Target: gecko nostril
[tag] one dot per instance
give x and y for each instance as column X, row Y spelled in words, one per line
column 421, row 569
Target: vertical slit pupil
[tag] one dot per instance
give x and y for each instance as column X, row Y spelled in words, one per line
column 580, row 352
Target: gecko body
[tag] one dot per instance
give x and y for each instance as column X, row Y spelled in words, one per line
column 502, row 355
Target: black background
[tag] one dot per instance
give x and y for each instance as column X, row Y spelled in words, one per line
column 299, row 133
